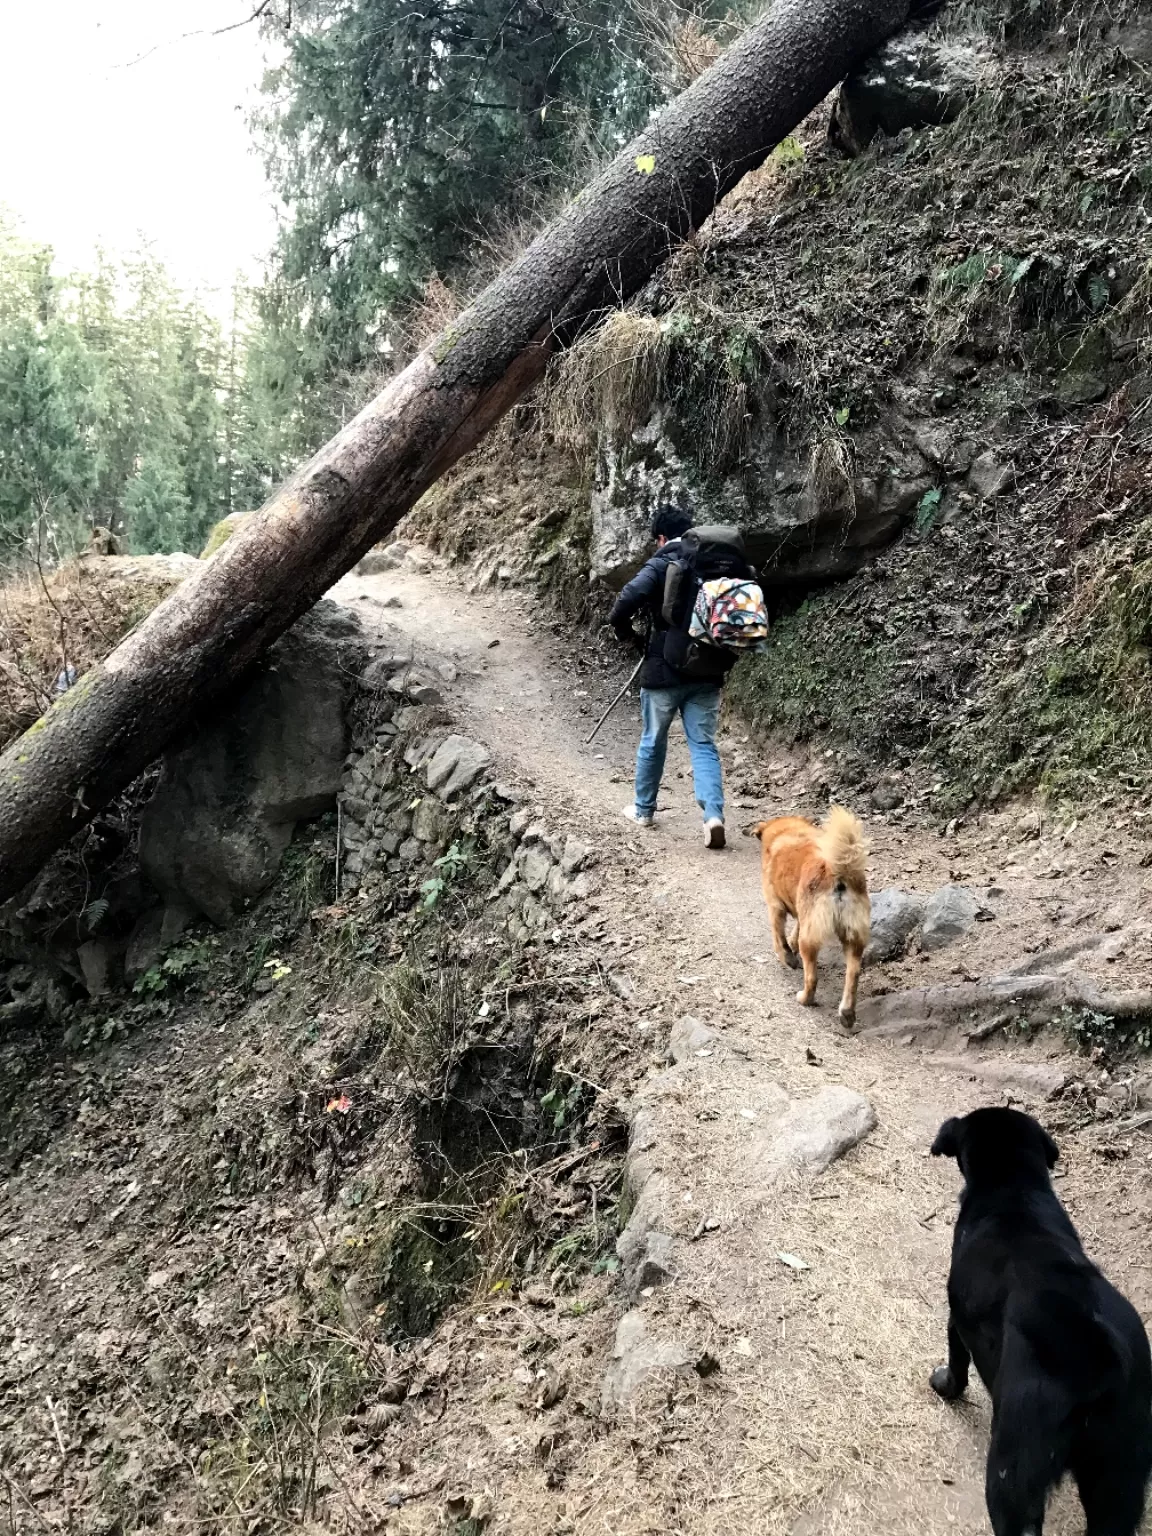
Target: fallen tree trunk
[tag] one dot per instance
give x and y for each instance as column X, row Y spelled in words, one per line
column 599, row 252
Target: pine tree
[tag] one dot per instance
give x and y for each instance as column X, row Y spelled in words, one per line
column 46, row 472
column 122, row 404
column 396, row 132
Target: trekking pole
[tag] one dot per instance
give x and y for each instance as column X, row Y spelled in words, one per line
column 615, row 701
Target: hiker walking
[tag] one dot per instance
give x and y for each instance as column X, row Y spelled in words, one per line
column 703, row 605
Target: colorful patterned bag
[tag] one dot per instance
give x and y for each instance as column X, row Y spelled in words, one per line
column 730, row 613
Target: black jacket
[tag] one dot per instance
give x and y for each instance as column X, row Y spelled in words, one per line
column 645, row 594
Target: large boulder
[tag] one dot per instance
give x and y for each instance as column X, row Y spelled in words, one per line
column 797, row 526
column 431, row 822
column 917, row 80
column 895, row 917
column 378, row 562
column 1025, row 1079
column 456, row 765
column 948, row 915
column 230, row 795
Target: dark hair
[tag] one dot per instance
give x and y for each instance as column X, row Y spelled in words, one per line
column 670, row 521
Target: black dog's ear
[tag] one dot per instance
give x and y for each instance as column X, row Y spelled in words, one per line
column 1051, row 1150
column 947, row 1143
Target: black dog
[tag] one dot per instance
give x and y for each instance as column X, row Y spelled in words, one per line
column 1064, row 1356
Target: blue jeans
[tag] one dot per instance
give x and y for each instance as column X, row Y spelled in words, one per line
column 699, row 704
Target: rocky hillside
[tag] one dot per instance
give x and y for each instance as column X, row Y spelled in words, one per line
column 916, row 370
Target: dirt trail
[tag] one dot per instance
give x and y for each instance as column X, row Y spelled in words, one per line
column 819, row 1418
column 139, row 1289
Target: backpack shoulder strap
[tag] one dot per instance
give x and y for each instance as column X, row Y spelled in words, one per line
column 679, row 583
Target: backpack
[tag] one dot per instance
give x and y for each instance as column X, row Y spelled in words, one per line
column 707, row 556
column 731, row 613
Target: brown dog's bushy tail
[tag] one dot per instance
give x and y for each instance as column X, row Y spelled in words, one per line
column 844, row 848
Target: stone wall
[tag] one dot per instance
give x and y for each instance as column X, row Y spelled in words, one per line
column 415, row 789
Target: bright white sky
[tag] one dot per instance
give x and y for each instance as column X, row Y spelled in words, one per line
column 116, row 126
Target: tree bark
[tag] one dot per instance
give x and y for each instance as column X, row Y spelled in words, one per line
column 597, row 254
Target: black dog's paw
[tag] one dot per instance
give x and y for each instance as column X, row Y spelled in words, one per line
column 944, row 1384
column 793, row 960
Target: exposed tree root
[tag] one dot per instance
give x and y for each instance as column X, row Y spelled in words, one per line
column 979, row 1009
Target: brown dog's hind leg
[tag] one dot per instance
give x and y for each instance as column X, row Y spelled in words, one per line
column 808, row 956
column 852, row 958
column 778, row 913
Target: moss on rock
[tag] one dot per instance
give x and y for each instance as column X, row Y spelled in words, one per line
column 221, row 533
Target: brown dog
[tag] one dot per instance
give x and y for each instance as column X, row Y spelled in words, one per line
column 820, row 876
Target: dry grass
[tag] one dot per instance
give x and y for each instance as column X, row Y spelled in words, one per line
column 681, row 45
column 495, row 246
column 423, row 1011
column 611, row 379
column 71, row 617
column 704, row 364
column 682, row 41
column 690, row 49
column 1130, row 322
column 436, row 309
column 831, row 464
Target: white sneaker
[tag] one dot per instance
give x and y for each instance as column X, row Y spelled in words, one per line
column 714, row 833
column 630, row 813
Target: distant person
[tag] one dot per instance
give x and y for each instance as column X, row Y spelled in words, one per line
column 668, row 690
